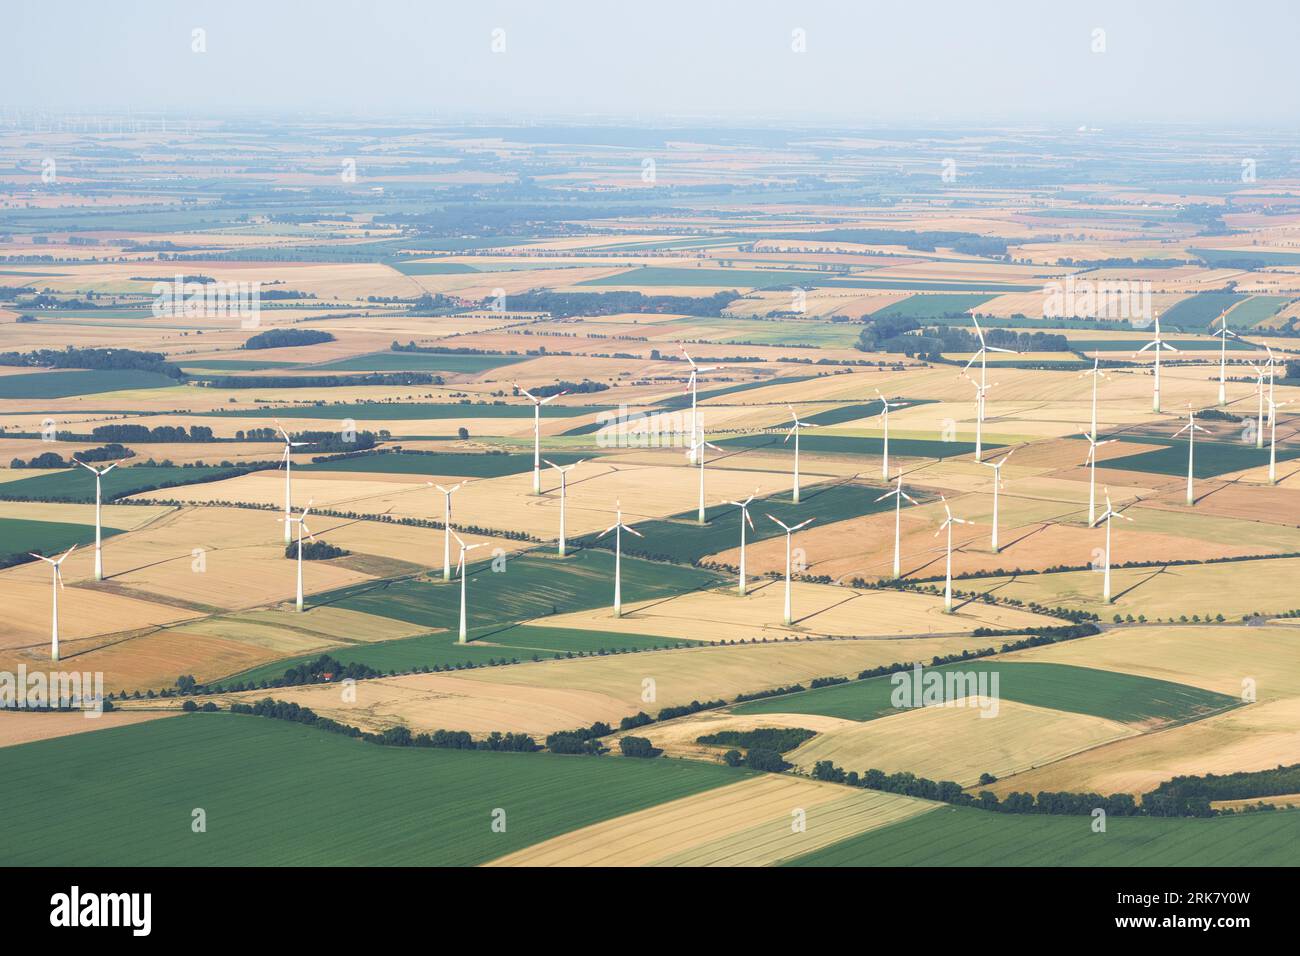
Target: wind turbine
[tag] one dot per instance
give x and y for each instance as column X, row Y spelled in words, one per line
column 301, row 522
column 537, row 433
column 700, row 449
column 564, row 484
column 789, row 531
column 884, row 416
column 1223, row 334
column 1157, row 343
column 99, row 473
column 899, row 494
column 287, row 460
column 1097, row 375
column 794, row 430
column 1110, row 513
column 56, row 584
column 980, row 392
column 981, row 354
column 997, row 482
column 618, row 527
column 1091, row 461
column 1272, row 445
column 744, row 518
column 463, row 571
column 446, row 524
column 1191, row 428
column 1260, row 371
column 948, row 522
column 691, row 387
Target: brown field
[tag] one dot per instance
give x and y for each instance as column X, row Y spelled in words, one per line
column 745, row 824
column 21, row 727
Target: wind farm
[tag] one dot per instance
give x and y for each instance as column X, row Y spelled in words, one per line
column 623, row 473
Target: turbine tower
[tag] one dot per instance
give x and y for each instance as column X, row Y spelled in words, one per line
column 287, row 461
column 301, row 522
column 1156, row 343
column 696, row 370
column 99, row 473
column 1110, row 513
column 982, row 388
column 1097, row 375
column 997, row 482
column 980, row 392
column 463, row 571
column 537, row 432
column 948, row 522
column 1191, row 428
column 56, row 585
column 700, row 449
column 884, row 417
column 564, row 485
column 1091, row 462
column 744, row 519
column 1260, row 371
column 794, row 430
column 1272, row 445
column 899, row 494
column 618, row 527
column 1223, row 334
column 446, row 524
column 789, row 531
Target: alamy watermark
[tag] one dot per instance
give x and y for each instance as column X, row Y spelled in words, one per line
column 52, row 690
column 920, row 687
column 215, row 299
column 1112, row 299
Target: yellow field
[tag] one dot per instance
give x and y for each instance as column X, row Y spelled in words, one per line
column 21, row 727
column 750, row 823
column 957, row 743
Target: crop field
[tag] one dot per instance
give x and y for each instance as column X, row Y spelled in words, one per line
column 1195, row 313
column 955, row 836
column 62, row 384
column 1080, row 690
column 19, row 536
column 138, row 778
column 437, row 463
column 77, row 484
column 411, row 411
column 871, row 446
column 420, row 362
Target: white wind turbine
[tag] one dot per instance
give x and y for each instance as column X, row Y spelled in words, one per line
column 564, row 485
column 982, row 388
column 446, row 524
column 789, row 531
column 537, row 433
column 1191, row 428
column 1091, row 462
column 948, row 522
column 1156, row 343
column 980, row 391
column 744, row 519
column 1097, row 375
column 301, row 522
column 287, row 461
column 1223, row 334
column 700, row 450
column 997, row 483
column 1110, row 513
column 899, row 494
column 618, row 527
column 794, row 430
column 463, row 570
column 1260, row 371
column 1272, row 445
column 691, row 387
column 884, row 416
column 99, row 473
column 55, row 586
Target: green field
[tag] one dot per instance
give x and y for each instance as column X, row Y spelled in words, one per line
column 852, row 413
column 1079, row 690
column 679, row 538
column 739, row 279
column 486, row 645
column 532, row 586
column 77, row 484
column 932, row 306
column 684, row 400
column 434, row 268
column 19, row 536
column 851, row 445
column 1212, row 458
column 959, row 836
column 1257, row 309
column 1197, row 312
column 280, row 794
column 235, row 365
column 1223, row 258
column 63, row 383
column 1132, row 345
column 420, row 362
column 408, row 411
column 449, row 463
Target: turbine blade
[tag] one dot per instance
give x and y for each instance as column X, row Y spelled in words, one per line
column 780, row 522
column 633, row 531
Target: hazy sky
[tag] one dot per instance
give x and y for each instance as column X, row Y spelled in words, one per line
column 919, row 62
